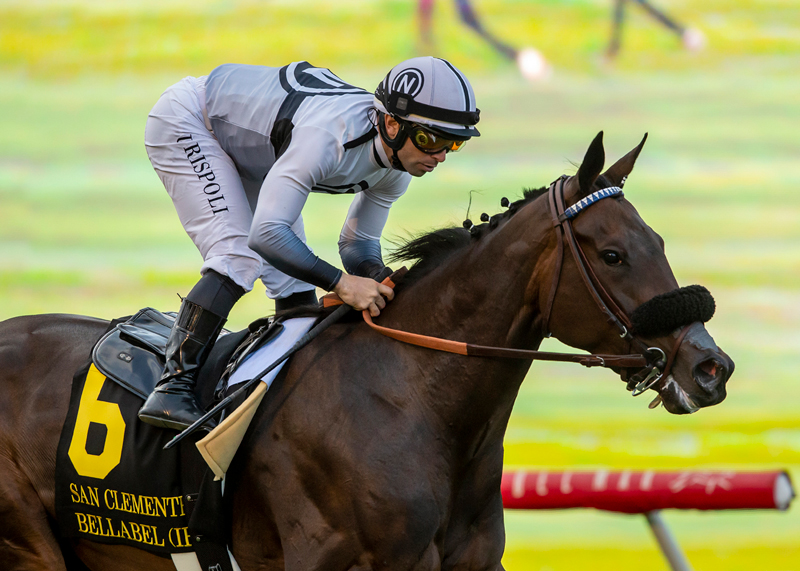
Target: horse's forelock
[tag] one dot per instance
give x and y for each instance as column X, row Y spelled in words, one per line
column 602, row 182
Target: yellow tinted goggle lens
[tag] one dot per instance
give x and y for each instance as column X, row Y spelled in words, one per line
column 431, row 143
column 424, row 140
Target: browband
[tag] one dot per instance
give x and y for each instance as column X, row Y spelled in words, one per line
column 573, row 210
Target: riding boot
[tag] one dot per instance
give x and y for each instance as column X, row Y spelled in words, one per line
column 173, row 403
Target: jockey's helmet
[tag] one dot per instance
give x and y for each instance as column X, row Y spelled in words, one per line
column 429, row 92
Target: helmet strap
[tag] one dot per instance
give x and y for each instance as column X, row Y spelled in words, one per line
column 396, row 164
column 396, row 143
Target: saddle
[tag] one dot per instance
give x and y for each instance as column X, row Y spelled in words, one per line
column 132, row 352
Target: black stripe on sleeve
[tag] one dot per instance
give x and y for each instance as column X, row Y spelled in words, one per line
column 368, row 136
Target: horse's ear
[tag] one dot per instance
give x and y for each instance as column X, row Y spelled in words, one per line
column 617, row 173
column 592, row 165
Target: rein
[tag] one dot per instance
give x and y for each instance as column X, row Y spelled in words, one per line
column 652, row 361
column 468, row 349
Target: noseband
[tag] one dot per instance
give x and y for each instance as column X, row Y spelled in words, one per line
column 689, row 304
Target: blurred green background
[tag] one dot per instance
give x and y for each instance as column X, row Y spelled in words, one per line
column 85, row 226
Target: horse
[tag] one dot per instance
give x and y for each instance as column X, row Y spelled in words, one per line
column 377, row 454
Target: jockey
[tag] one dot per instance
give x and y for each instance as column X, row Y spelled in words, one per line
column 240, row 150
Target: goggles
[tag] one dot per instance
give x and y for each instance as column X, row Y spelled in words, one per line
column 431, row 143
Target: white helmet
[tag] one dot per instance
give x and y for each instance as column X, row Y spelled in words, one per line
column 432, row 92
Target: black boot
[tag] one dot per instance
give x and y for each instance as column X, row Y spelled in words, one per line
column 173, row 404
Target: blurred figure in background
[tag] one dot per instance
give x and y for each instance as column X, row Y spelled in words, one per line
column 530, row 61
column 692, row 38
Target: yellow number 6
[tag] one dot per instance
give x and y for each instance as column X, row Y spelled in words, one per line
column 100, row 412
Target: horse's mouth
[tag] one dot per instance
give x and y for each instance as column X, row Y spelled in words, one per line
column 709, row 377
column 699, row 379
column 675, row 399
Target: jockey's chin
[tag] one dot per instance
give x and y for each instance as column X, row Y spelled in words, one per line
column 418, row 163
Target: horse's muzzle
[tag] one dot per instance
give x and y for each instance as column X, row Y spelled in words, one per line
column 706, row 386
column 712, row 374
column 698, row 378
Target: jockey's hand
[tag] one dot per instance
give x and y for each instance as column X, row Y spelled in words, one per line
column 363, row 293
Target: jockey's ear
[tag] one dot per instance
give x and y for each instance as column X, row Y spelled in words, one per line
column 592, row 165
column 617, row 173
column 392, row 126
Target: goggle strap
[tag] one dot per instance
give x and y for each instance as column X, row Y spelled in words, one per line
column 402, row 104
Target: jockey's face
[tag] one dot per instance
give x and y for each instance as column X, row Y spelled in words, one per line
column 416, row 162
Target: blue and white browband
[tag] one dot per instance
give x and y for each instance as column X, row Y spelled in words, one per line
column 573, row 210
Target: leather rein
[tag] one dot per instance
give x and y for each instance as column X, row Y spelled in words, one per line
column 653, row 363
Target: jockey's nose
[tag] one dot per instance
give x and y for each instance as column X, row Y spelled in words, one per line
column 440, row 156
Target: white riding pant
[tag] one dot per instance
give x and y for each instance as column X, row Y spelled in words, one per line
column 215, row 205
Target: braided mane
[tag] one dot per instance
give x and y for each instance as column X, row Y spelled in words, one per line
column 432, row 249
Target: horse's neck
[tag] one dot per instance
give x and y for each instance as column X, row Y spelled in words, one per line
column 487, row 294
column 482, row 296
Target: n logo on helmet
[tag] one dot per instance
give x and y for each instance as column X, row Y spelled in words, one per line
column 408, row 81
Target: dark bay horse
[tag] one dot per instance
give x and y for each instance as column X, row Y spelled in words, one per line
column 375, row 454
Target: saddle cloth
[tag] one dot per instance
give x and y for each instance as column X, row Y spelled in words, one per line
column 114, row 483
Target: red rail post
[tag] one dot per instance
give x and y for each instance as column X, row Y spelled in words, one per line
column 648, row 492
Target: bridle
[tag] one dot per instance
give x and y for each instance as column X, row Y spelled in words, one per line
column 652, row 362
column 658, row 364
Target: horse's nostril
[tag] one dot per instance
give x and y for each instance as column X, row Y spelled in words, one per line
column 709, row 367
column 709, row 374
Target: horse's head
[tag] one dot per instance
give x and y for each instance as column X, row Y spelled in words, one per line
column 617, row 279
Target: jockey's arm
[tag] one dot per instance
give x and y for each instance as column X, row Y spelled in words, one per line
column 359, row 241
column 312, row 154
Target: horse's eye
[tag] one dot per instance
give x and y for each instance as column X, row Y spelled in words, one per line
column 611, row 258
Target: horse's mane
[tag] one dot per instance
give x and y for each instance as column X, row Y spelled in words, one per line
column 430, row 250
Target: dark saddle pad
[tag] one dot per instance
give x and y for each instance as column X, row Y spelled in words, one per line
column 132, row 352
